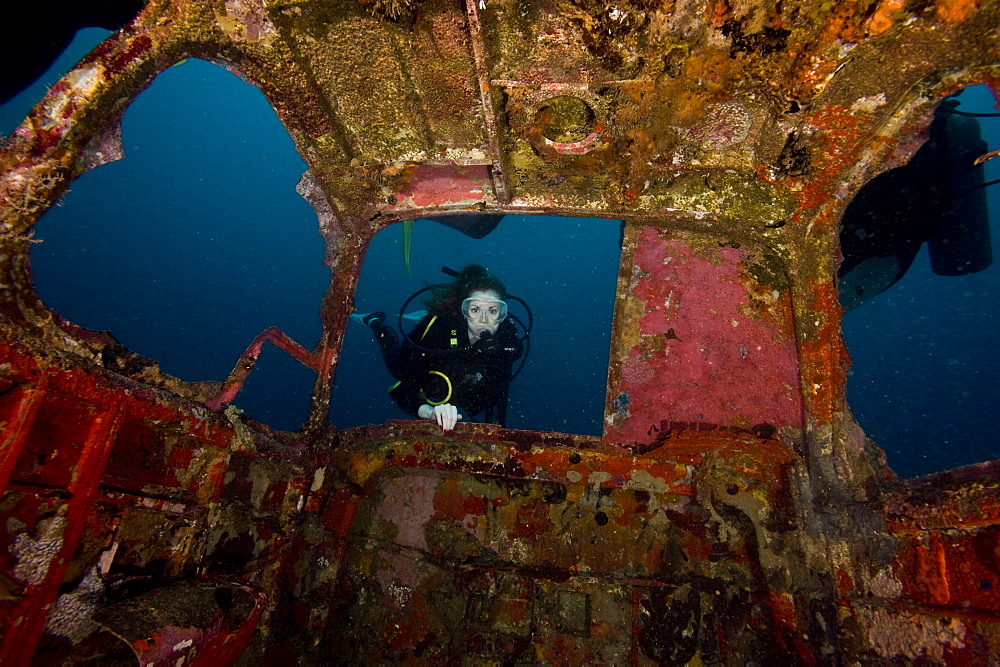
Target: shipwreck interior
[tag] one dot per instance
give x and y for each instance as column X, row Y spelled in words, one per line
column 732, row 163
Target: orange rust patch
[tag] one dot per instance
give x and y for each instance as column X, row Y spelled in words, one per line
column 631, row 509
column 885, row 16
column 841, row 24
column 670, row 472
column 825, row 359
column 783, row 607
column 532, row 520
column 837, row 150
column 953, row 11
column 449, row 501
column 933, row 572
column 844, row 582
column 553, row 460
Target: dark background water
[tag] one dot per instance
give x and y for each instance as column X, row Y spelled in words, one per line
column 197, row 241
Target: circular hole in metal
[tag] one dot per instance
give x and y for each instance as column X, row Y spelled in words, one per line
column 565, row 119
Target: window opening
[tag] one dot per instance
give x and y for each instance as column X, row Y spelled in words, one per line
column 196, row 242
column 565, row 269
column 924, row 375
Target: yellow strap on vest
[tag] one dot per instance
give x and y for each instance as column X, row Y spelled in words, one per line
column 447, row 396
column 429, row 325
column 454, row 332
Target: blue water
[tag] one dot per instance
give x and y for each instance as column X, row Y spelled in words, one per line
column 566, row 269
column 197, row 241
column 925, row 370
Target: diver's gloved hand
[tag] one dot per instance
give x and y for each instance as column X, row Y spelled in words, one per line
column 446, row 415
column 488, row 344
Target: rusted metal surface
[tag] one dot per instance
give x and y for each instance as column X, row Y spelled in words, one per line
column 732, row 511
column 231, row 387
column 508, row 545
column 540, row 558
column 111, row 484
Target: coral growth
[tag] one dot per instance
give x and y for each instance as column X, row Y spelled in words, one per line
column 392, row 9
column 27, row 192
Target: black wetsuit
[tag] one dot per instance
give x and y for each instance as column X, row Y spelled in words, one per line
column 437, row 364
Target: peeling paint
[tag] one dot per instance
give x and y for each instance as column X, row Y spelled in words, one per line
column 915, row 636
column 35, row 554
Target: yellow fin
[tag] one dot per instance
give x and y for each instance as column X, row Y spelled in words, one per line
column 407, row 239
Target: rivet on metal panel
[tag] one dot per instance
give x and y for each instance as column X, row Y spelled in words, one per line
column 568, row 124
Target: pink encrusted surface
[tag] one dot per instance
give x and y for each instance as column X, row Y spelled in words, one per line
column 440, row 185
column 171, row 645
column 409, row 504
column 715, row 349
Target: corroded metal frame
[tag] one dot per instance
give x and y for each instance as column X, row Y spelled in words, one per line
column 729, row 137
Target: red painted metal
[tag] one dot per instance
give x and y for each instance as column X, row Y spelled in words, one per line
column 60, row 437
column 573, row 515
column 425, row 186
column 227, row 648
column 21, row 406
column 70, row 517
column 248, row 359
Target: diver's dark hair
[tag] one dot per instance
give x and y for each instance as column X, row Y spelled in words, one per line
column 473, row 278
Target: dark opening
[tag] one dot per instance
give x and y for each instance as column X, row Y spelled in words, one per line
column 923, row 296
column 13, row 110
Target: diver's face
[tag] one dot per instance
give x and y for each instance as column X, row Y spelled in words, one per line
column 482, row 311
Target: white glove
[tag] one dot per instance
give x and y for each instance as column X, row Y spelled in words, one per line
column 446, row 415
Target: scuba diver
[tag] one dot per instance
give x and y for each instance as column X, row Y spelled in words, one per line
column 456, row 362
column 937, row 198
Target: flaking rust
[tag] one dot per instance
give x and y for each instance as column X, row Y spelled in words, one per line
column 732, row 511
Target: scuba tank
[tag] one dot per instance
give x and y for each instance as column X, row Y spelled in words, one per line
column 938, row 198
column 960, row 241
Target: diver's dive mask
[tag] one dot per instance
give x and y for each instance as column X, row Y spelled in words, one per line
column 484, row 309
